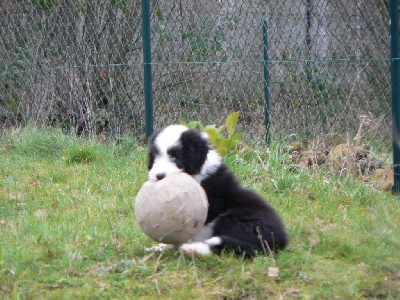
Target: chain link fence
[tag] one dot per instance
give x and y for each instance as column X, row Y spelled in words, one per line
column 77, row 64
column 73, row 64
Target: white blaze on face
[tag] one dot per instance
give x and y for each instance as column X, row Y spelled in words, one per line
column 168, row 138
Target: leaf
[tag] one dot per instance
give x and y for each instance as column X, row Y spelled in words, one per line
column 159, row 14
column 237, row 136
column 13, row 197
column 195, row 124
column 183, row 122
column 18, row 197
column 231, row 122
column 313, row 239
column 223, row 146
column 40, row 213
column 304, row 163
column 213, row 135
column 210, row 127
column 233, row 141
column 219, row 129
column 273, row 272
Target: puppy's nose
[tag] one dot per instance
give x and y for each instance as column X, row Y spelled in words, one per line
column 160, row 176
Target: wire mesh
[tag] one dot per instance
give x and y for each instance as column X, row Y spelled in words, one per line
column 74, row 64
column 78, row 65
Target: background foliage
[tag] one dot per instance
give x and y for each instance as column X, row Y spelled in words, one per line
column 77, row 64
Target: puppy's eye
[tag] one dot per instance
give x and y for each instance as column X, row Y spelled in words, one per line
column 174, row 154
column 174, row 159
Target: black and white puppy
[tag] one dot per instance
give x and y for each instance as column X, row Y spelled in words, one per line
column 237, row 219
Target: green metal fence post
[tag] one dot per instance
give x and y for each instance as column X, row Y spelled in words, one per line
column 148, row 96
column 308, row 41
column 395, row 74
column 266, row 79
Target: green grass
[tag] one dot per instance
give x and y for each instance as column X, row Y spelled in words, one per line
column 67, row 229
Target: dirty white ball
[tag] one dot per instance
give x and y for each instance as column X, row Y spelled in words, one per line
column 171, row 210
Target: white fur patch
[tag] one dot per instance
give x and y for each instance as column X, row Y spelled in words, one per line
column 214, row 241
column 199, row 248
column 213, row 161
column 163, row 165
column 169, row 137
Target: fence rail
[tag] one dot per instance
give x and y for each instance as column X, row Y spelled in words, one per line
column 307, row 69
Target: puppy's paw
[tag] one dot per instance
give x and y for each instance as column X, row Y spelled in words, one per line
column 198, row 248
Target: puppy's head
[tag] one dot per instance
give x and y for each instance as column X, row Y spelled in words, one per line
column 177, row 149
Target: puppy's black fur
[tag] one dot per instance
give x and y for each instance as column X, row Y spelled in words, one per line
column 244, row 221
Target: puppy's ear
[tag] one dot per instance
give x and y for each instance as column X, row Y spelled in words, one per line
column 152, row 149
column 153, row 137
column 195, row 149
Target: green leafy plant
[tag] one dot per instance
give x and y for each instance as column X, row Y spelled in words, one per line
column 225, row 144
